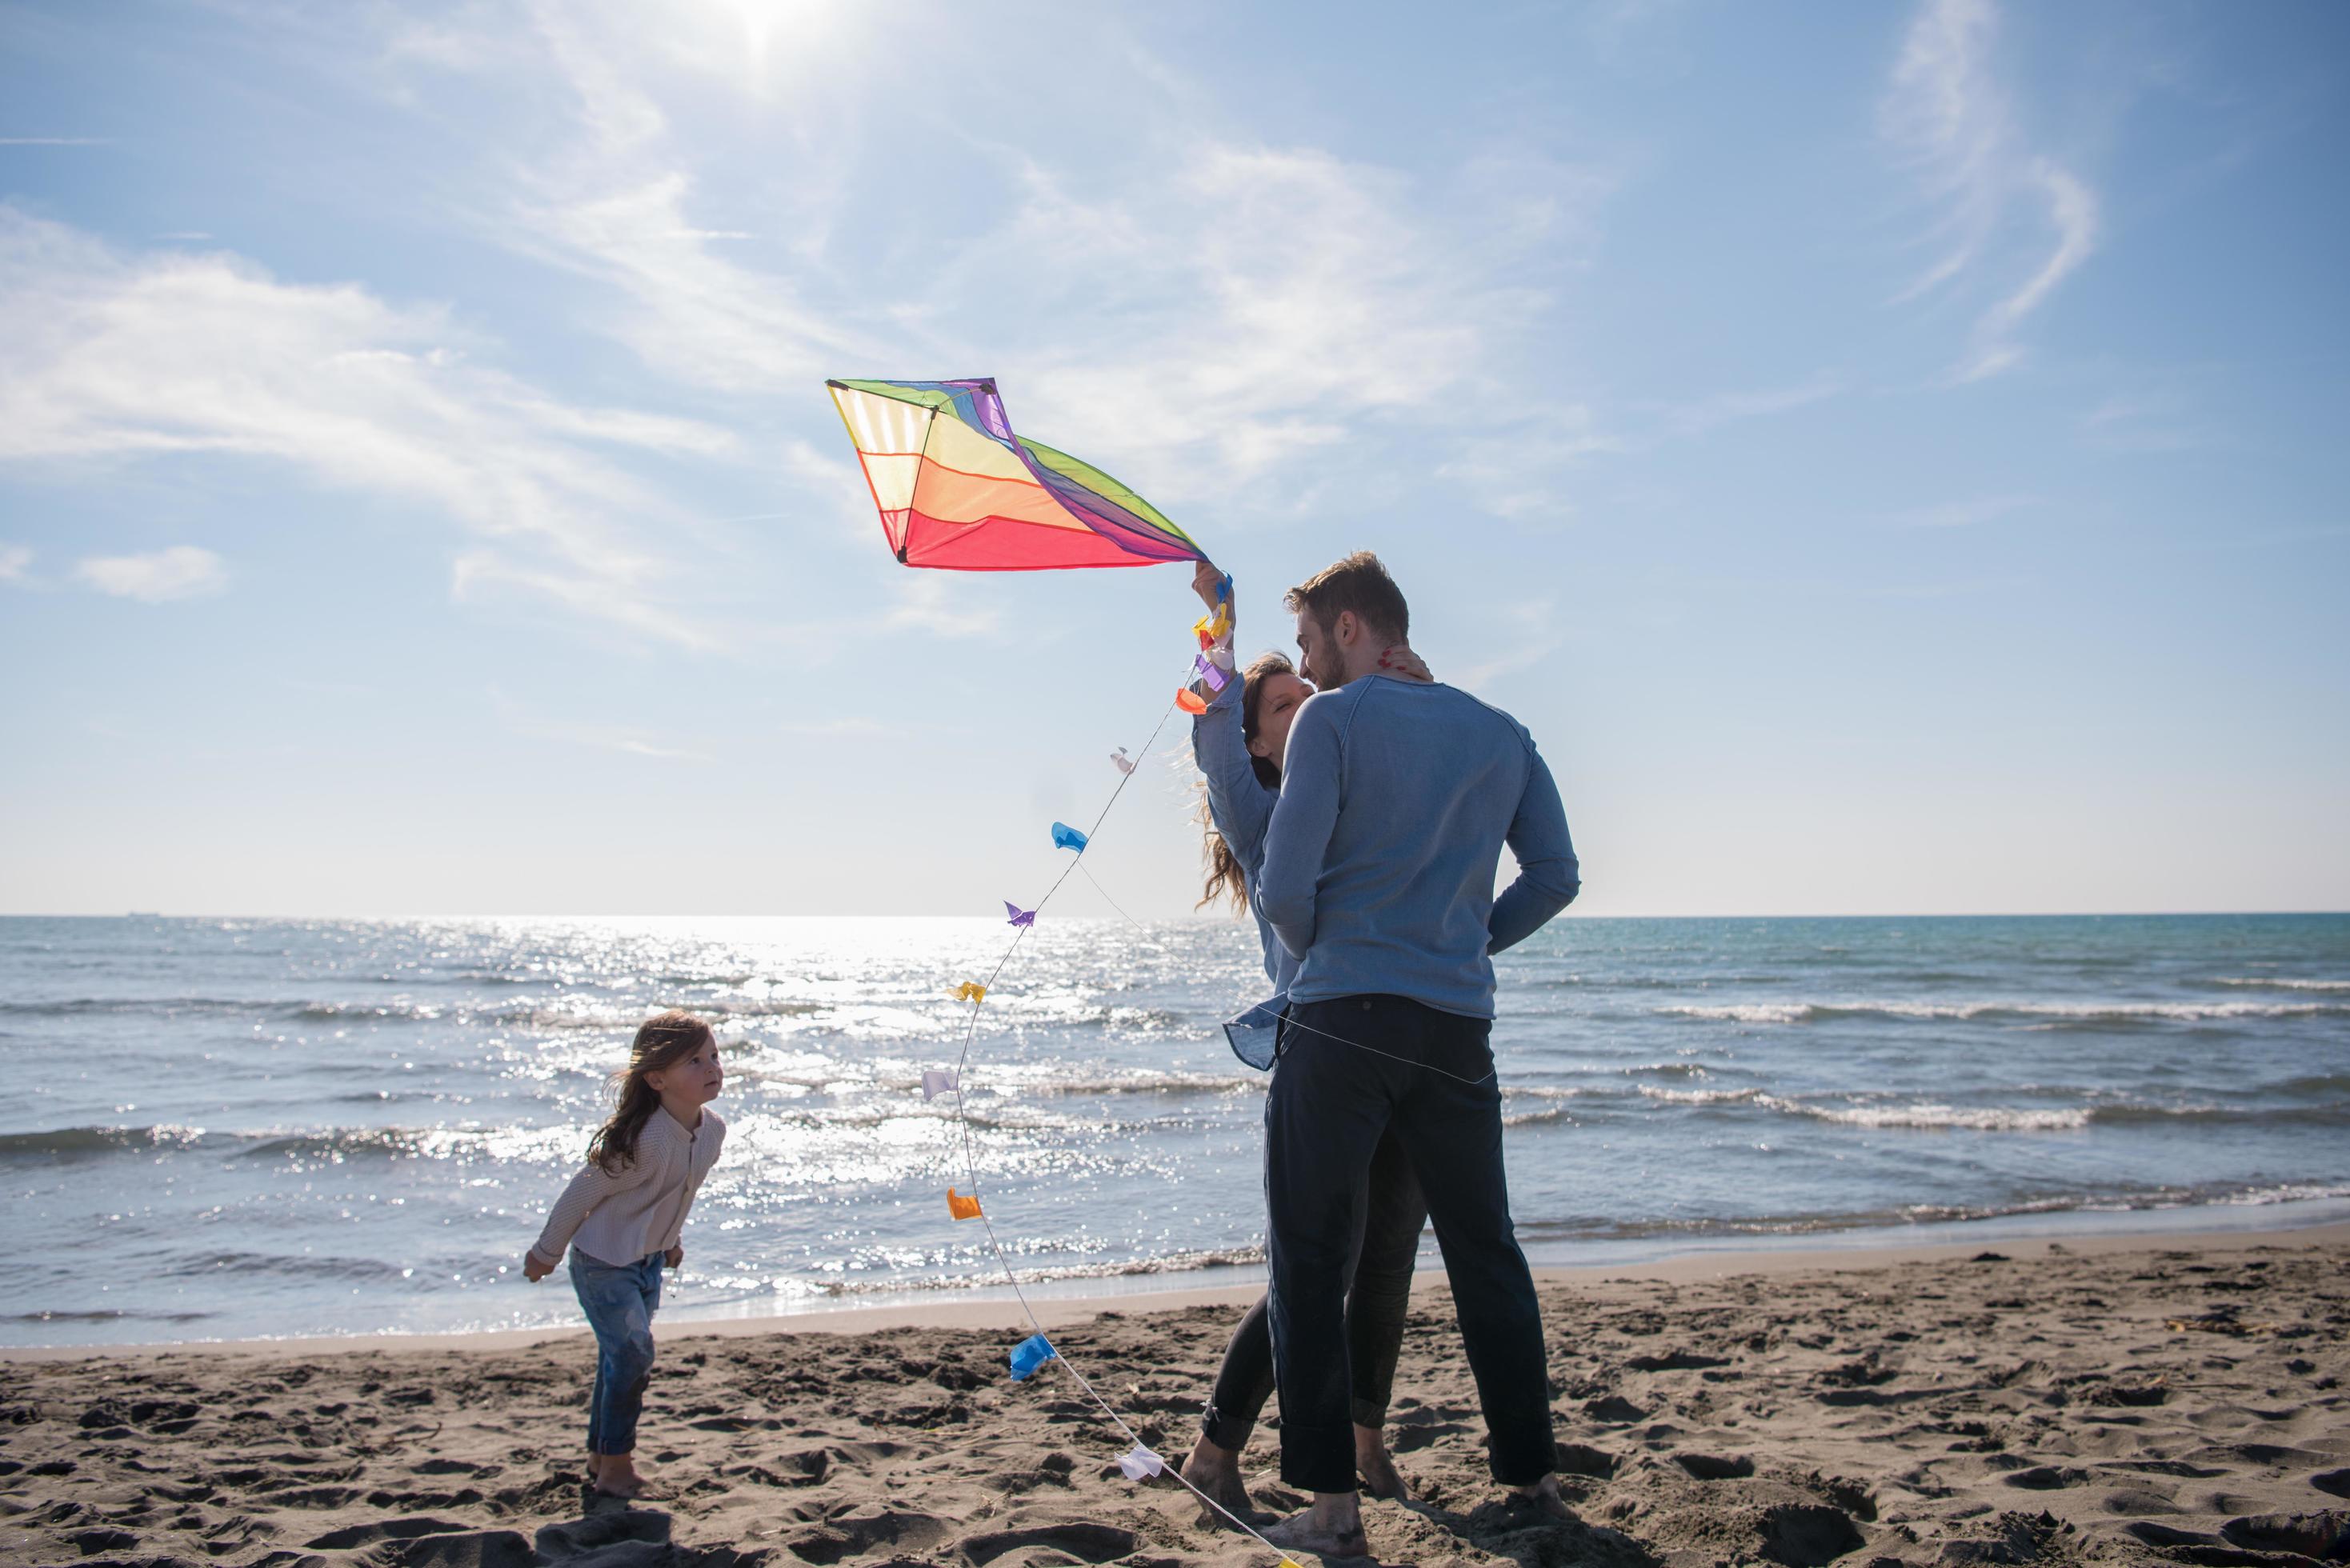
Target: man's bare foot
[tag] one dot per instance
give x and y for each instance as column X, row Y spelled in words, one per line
column 1217, row 1472
column 1333, row 1527
column 1543, row 1498
column 1376, row 1466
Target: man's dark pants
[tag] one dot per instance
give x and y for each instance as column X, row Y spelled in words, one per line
column 1330, row 1103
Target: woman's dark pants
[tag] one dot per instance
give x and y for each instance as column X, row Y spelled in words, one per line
column 1376, row 1303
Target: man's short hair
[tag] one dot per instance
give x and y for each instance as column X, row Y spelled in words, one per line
column 1359, row 583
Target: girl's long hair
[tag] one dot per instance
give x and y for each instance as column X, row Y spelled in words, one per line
column 661, row 1041
column 1225, row 878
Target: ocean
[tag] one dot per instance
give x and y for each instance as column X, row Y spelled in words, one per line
column 233, row 1128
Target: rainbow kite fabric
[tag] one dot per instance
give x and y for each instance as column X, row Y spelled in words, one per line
column 957, row 489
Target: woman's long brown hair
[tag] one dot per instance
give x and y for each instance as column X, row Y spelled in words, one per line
column 1225, row 878
column 661, row 1041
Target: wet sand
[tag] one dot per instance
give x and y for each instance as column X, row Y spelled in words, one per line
column 2122, row 1401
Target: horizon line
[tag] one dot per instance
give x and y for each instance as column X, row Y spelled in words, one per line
column 1194, row 918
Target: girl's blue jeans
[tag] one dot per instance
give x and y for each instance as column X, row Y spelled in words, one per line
column 619, row 1300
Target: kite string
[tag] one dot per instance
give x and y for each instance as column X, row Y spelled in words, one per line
column 971, row 1156
column 1289, row 1021
column 970, row 1165
column 1113, row 903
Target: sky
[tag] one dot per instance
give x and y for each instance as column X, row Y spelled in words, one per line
column 1891, row 457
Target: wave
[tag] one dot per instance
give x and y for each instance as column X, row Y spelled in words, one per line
column 1974, row 1119
column 1931, row 1116
column 76, row 1006
column 96, row 1141
column 2284, row 984
column 2066, row 1012
column 1598, row 1228
column 516, row 1143
column 281, row 1264
column 105, row 1315
column 1699, row 1096
column 1937, row 1116
column 1150, row 1084
column 1177, row 1262
column 544, row 1016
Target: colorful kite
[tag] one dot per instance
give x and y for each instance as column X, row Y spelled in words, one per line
column 956, row 489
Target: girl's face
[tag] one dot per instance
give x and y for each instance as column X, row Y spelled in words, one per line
column 1276, row 706
column 696, row 1080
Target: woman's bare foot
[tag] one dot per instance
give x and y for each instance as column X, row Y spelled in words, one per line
column 1376, row 1466
column 1325, row 1529
column 1217, row 1472
column 1543, row 1498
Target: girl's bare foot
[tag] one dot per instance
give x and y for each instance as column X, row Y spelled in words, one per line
column 1217, row 1472
column 618, row 1476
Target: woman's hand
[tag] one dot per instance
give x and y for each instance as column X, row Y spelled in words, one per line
column 675, row 1256
column 1205, row 579
column 533, row 1270
column 1402, row 663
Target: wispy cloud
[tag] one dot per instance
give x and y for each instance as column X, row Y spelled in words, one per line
column 14, row 559
column 1517, row 471
column 687, row 312
column 846, row 730
column 1948, row 116
column 182, row 572
column 1699, row 416
column 612, row 197
column 2157, row 420
column 1529, row 633
column 115, row 356
column 594, row 734
column 927, row 604
column 1264, row 306
column 1965, row 514
column 836, row 486
column 1515, row 474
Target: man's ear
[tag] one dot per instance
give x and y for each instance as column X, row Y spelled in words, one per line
column 1346, row 628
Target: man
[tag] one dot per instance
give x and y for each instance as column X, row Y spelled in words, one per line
column 1396, row 799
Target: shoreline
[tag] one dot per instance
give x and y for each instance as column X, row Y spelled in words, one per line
column 1063, row 1304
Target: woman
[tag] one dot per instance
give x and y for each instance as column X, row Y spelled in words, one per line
column 1239, row 743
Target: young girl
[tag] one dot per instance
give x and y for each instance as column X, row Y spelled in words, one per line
column 622, row 1216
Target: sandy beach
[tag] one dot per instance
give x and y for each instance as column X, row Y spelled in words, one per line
column 2124, row 1400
